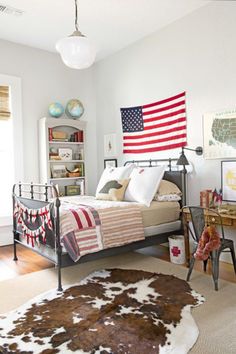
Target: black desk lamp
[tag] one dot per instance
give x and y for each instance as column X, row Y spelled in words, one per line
column 183, row 161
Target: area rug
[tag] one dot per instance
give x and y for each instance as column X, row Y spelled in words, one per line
column 110, row 311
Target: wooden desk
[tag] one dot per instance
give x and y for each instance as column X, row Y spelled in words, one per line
column 227, row 220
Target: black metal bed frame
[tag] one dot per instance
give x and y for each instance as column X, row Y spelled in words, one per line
column 57, row 257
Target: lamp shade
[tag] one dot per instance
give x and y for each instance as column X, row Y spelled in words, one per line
column 76, row 51
column 182, row 161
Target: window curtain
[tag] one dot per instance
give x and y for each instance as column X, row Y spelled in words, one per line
column 4, row 103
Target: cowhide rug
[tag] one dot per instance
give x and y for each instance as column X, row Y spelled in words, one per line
column 110, row 311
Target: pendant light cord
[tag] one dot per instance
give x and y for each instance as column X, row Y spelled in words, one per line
column 76, row 16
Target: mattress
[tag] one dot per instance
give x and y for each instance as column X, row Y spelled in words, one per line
column 160, row 213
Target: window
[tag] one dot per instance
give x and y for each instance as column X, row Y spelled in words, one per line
column 11, row 159
column 6, row 152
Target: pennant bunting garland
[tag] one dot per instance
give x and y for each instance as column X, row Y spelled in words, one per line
column 27, row 216
column 155, row 127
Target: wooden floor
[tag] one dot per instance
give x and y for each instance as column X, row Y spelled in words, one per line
column 29, row 262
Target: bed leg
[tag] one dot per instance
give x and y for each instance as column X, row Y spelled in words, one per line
column 58, row 244
column 14, row 246
column 59, row 286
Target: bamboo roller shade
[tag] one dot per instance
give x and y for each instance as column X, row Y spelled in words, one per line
column 4, row 103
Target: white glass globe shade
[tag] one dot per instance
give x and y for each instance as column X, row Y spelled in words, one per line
column 76, row 51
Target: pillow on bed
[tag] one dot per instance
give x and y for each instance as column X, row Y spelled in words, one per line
column 143, row 184
column 114, row 173
column 167, row 198
column 113, row 190
column 167, row 187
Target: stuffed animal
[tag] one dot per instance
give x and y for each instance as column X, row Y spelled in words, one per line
column 209, row 241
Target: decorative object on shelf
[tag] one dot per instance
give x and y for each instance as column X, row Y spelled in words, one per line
column 72, row 190
column 110, row 163
column 74, row 108
column 65, row 154
column 58, row 171
column 206, row 198
column 59, row 135
column 56, row 109
column 228, row 180
column 219, row 135
column 183, row 161
column 74, row 173
column 143, row 134
column 76, row 50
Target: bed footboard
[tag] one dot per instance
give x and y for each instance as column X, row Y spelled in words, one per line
column 36, row 218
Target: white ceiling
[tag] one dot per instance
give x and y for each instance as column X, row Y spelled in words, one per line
column 110, row 24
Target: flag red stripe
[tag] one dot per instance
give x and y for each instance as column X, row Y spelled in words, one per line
column 155, row 126
column 149, row 135
column 172, row 114
column 87, row 217
column 164, row 101
column 165, row 147
column 174, row 105
column 79, row 223
column 169, row 138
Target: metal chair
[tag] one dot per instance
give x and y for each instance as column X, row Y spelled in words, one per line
column 200, row 218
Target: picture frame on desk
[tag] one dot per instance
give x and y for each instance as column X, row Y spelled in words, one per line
column 228, row 180
column 110, row 163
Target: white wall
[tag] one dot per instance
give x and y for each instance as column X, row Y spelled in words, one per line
column 196, row 54
column 46, row 79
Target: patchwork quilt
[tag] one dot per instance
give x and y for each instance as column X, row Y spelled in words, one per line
column 88, row 225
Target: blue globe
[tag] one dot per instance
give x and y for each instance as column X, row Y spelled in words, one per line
column 74, row 109
column 55, row 109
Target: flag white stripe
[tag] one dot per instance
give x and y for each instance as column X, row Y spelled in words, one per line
column 177, row 133
column 159, row 131
column 166, row 104
column 149, row 146
column 164, row 121
column 159, row 114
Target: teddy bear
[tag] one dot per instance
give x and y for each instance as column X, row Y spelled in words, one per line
column 209, row 241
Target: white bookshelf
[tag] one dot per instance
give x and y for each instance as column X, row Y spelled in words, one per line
column 48, row 165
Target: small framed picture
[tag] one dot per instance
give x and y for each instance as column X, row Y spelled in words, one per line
column 65, row 154
column 110, row 163
column 228, row 180
column 110, row 145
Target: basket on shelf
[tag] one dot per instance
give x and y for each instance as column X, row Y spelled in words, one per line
column 72, row 174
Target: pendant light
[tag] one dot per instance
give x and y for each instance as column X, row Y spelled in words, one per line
column 76, row 51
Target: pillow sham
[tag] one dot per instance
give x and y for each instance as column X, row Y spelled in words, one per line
column 113, row 190
column 143, row 184
column 167, row 198
column 167, row 187
column 114, row 173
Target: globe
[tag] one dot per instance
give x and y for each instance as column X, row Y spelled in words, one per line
column 74, row 109
column 55, row 109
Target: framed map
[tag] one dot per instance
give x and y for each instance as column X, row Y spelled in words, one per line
column 220, row 134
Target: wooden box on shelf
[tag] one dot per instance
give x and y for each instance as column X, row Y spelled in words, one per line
column 72, row 190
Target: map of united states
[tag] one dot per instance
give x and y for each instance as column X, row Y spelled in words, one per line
column 224, row 131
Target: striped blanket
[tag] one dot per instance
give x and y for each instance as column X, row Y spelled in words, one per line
column 87, row 229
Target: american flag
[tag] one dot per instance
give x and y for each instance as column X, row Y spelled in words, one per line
column 154, row 127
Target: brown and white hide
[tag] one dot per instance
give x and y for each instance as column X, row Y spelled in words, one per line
column 110, row 311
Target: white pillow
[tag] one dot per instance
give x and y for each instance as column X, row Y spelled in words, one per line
column 167, row 198
column 143, row 184
column 114, row 173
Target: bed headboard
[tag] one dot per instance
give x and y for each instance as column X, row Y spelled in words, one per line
column 171, row 174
